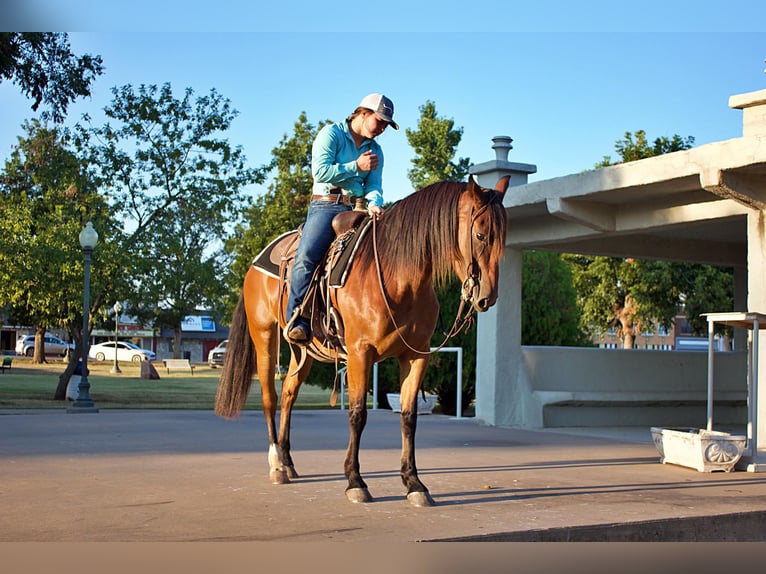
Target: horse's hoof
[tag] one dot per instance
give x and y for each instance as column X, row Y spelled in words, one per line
column 420, row 499
column 278, row 477
column 291, row 474
column 358, row 495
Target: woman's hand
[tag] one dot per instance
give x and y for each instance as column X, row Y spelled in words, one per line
column 375, row 211
column 368, row 161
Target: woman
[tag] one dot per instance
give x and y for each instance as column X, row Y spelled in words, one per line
column 346, row 163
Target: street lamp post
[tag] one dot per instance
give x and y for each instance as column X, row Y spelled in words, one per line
column 117, row 310
column 83, row 403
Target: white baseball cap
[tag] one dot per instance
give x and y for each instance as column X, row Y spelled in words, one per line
column 382, row 106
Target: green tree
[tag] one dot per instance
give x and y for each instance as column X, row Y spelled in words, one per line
column 629, row 294
column 435, row 144
column 634, row 147
column 43, row 66
column 625, row 294
column 179, row 186
column 550, row 315
column 47, row 197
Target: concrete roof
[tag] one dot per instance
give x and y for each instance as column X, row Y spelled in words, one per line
column 689, row 205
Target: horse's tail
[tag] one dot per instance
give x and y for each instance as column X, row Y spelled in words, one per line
column 238, row 366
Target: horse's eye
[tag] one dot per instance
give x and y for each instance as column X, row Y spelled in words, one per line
column 481, row 236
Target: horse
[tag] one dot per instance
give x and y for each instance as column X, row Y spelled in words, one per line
column 388, row 307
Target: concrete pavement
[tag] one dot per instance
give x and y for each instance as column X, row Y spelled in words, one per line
column 125, row 476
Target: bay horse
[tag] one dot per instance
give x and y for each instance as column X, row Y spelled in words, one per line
column 388, row 307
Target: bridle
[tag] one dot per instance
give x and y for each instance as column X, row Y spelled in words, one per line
column 465, row 316
column 473, row 272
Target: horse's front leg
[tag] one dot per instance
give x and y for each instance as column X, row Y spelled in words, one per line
column 411, row 373
column 356, row 379
column 290, row 387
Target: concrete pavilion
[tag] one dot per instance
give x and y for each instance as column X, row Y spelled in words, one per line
column 703, row 205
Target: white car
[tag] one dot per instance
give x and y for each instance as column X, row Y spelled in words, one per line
column 125, row 352
column 216, row 356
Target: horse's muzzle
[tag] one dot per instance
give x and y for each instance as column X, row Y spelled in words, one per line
column 482, row 304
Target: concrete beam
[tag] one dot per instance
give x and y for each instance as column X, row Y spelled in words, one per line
column 744, row 189
column 596, row 216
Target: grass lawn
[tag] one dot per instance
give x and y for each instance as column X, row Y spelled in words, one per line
column 30, row 386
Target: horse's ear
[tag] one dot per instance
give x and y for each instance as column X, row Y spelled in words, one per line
column 502, row 184
column 500, row 187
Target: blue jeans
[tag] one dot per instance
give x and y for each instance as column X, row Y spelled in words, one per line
column 316, row 237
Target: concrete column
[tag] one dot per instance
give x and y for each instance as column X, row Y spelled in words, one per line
column 499, row 368
column 756, row 301
column 740, row 304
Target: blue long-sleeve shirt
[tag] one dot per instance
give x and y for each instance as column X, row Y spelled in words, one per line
column 333, row 164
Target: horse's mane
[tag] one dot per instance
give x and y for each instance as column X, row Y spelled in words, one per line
column 418, row 232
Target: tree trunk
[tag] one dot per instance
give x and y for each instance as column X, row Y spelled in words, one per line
column 39, row 354
column 177, row 343
column 626, row 316
column 64, row 377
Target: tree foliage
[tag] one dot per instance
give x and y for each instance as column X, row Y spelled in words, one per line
column 178, row 185
column 43, row 66
column 634, row 147
column 550, row 315
column 47, row 197
column 435, row 144
column 632, row 295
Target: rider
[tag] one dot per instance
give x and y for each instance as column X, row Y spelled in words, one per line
column 346, row 163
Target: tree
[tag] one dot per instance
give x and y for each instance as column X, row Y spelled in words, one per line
column 179, row 187
column 549, row 312
column 43, row 66
column 626, row 294
column 47, row 197
column 435, row 143
column 629, row 294
column 632, row 148
column 181, row 271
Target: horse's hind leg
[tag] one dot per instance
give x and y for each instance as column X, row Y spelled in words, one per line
column 266, row 360
column 412, row 372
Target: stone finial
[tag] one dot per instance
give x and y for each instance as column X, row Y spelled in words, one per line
column 501, row 145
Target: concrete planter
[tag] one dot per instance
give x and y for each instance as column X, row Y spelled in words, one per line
column 425, row 407
column 703, row 450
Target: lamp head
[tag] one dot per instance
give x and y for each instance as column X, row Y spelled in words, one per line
column 88, row 237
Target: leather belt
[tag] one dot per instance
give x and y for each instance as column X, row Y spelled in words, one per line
column 334, row 197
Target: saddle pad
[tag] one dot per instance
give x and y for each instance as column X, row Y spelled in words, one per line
column 346, row 246
column 269, row 259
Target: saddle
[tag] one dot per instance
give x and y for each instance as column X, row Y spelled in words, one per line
column 276, row 260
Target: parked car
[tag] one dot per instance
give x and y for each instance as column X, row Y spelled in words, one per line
column 125, row 352
column 215, row 356
column 25, row 345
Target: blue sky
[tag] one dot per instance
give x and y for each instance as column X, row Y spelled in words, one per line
column 565, row 83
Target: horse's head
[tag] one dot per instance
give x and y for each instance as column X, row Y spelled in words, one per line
column 481, row 238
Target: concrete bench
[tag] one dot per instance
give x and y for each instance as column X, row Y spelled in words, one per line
column 178, row 364
column 648, row 411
